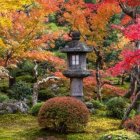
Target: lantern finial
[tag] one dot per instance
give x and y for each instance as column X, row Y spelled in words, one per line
column 75, row 35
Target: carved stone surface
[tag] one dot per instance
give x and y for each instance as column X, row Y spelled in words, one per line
column 76, row 70
column 76, row 73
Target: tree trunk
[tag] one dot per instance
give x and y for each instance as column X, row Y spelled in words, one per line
column 35, row 94
column 122, row 79
column 132, row 88
column 128, row 111
column 36, row 87
column 12, row 81
column 98, row 85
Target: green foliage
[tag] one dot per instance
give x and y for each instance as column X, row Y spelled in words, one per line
column 26, row 127
column 115, row 19
column 3, row 97
column 4, row 85
column 97, row 104
column 116, row 107
column 21, row 90
column 80, row 137
column 120, row 135
column 26, row 66
column 25, row 78
column 90, row 1
column 45, row 94
column 59, row 43
column 61, row 55
column 63, row 114
column 35, row 109
column 133, row 113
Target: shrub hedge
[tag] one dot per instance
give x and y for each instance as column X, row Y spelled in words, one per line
column 63, row 114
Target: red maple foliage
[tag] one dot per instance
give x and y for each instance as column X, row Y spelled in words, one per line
column 133, row 124
column 130, row 60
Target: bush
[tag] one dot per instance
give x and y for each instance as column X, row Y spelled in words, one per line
column 35, row 109
column 45, row 94
column 116, row 107
column 120, row 135
column 3, row 97
column 63, row 114
column 26, row 78
column 133, row 124
column 97, row 104
column 20, row 90
column 26, row 66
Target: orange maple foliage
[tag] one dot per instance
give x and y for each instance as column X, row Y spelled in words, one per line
column 45, row 56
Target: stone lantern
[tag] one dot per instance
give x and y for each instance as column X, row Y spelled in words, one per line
column 76, row 64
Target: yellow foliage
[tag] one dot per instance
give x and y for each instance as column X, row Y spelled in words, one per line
column 8, row 5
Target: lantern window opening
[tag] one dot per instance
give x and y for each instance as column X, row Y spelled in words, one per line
column 75, row 60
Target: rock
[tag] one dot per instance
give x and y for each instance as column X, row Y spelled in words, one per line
column 9, row 109
column 13, row 107
column 93, row 111
column 1, row 106
column 89, row 105
column 2, row 112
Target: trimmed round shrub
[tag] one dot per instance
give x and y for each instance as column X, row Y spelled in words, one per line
column 133, row 124
column 35, row 109
column 116, row 107
column 3, row 97
column 120, row 135
column 63, row 114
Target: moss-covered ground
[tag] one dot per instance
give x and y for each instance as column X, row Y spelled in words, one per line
column 25, row 127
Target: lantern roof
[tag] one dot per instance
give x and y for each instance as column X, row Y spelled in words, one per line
column 75, row 45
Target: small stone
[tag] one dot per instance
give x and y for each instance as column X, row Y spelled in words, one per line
column 89, row 105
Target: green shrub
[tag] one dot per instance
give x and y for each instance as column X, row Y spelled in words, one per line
column 26, row 78
column 63, row 114
column 116, row 107
column 35, row 109
column 26, row 66
column 3, row 97
column 97, row 104
column 20, row 90
column 45, row 94
column 120, row 135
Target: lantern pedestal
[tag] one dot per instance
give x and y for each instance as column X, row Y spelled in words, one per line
column 76, row 85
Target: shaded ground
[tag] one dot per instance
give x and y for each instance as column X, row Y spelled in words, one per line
column 25, row 127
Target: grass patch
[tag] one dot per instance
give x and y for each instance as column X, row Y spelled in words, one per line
column 25, row 127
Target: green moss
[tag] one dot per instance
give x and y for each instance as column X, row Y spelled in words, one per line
column 25, row 127
column 80, row 137
column 120, row 135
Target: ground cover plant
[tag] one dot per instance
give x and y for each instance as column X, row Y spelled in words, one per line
column 35, row 102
